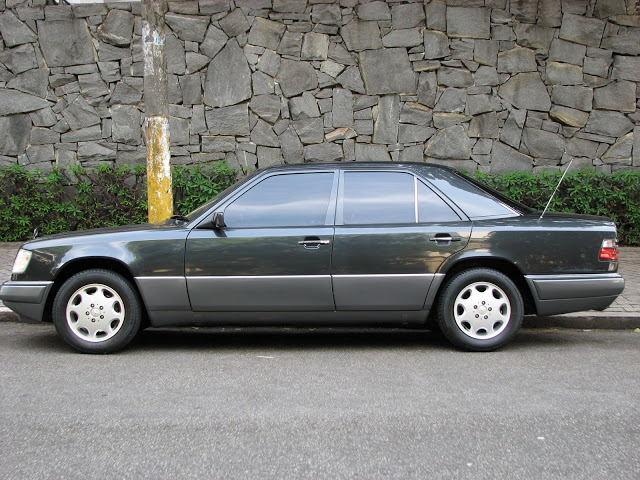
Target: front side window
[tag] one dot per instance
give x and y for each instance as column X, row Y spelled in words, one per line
column 378, row 198
column 292, row 200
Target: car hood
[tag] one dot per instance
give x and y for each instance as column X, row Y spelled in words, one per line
column 124, row 231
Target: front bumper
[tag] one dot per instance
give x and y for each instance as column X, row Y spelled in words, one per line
column 27, row 299
column 555, row 294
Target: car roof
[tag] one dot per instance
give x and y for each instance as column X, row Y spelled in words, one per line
column 357, row 165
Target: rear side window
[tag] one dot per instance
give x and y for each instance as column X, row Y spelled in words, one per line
column 378, row 198
column 471, row 199
column 432, row 209
column 293, row 200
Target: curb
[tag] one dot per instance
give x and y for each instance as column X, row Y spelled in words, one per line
column 584, row 322
column 7, row 315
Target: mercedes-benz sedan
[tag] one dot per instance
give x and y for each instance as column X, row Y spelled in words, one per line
column 346, row 244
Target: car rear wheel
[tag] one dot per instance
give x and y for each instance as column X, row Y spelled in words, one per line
column 97, row 311
column 480, row 309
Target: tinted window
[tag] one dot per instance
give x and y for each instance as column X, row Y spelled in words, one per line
column 378, row 197
column 295, row 200
column 431, row 208
column 471, row 199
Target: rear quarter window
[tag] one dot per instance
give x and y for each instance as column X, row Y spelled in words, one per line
column 470, row 198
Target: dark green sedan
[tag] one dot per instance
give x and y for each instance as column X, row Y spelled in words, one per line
column 348, row 244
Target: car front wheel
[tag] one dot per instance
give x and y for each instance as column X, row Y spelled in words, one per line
column 480, row 309
column 97, row 311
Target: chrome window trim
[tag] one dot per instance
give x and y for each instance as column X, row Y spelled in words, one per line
column 415, row 198
column 333, row 199
column 339, row 220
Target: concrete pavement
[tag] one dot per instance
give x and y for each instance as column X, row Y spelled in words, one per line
column 623, row 313
column 556, row 404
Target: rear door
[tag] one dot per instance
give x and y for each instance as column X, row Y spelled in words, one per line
column 392, row 234
column 274, row 253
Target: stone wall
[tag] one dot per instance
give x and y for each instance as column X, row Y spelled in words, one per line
column 494, row 85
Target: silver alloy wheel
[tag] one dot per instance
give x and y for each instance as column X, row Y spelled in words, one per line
column 95, row 312
column 482, row 310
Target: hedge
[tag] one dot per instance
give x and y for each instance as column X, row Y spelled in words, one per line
column 588, row 192
column 77, row 199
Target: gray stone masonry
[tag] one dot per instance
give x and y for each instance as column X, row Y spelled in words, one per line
column 489, row 85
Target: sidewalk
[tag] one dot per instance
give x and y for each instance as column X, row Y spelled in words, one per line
column 624, row 313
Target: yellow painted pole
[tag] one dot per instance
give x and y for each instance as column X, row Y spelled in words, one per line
column 159, row 190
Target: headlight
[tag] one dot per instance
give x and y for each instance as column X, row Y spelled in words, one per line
column 22, row 261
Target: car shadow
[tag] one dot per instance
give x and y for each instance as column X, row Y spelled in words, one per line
column 286, row 338
column 316, row 339
column 289, row 339
column 44, row 340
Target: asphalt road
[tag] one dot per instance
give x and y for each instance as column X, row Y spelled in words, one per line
column 320, row 404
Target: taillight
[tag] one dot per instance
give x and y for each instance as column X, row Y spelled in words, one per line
column 609, row 250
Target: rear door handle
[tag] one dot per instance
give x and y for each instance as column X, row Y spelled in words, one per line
column 444, row 237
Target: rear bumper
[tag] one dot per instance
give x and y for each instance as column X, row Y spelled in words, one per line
column 27, row 299
column 554, row 294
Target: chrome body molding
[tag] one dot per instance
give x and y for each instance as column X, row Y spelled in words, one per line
column 554, row 294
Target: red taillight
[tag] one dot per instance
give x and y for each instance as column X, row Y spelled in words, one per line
column 609, row 254
column 609, row 251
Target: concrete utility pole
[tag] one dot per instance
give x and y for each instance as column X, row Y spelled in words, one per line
column 159, row 192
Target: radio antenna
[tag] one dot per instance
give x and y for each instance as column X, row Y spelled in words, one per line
column 556, row 189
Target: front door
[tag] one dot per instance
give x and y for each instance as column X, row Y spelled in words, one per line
column 274, row 253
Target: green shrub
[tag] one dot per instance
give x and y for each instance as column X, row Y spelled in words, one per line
column 77, row 199
column 588, row 192
column 192, row 186
column 107, row 196
column 29, row 199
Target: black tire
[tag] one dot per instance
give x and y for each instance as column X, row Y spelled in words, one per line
column 480, row 310
column 97, row 311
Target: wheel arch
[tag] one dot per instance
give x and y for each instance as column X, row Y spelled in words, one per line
column 73, row 267
column 501, row 265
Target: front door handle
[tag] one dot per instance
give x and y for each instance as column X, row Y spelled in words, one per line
column 444, row 237
column 313, row 243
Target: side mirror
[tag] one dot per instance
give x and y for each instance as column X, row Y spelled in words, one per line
column 218, row 220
